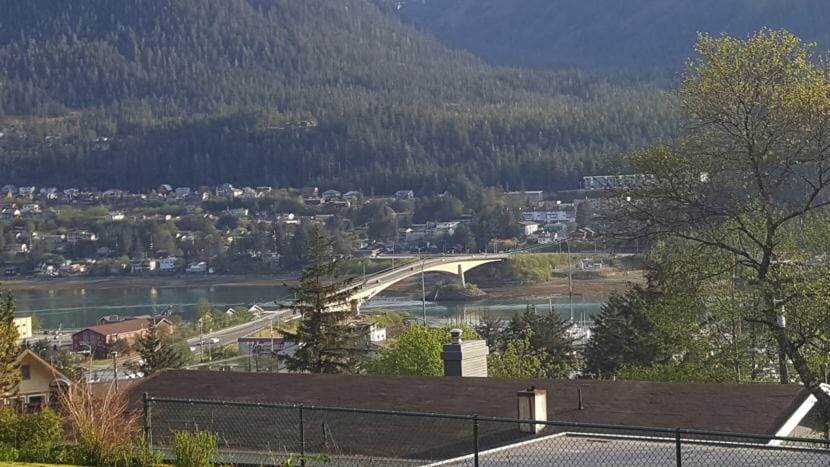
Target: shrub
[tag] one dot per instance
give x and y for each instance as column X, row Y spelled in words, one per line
column 8, row 427
column 101, row 425
column 68, row 454
column 8, row 453
column 31, row 436
column 43, row 428
column 194, row 449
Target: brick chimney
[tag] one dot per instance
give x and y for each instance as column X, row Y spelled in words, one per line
column 533, row 405
column 464, row 358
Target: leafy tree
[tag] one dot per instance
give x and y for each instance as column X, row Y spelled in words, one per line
column 752, row 167
column 548, row 337
column 158, row 351
column 327, row 343
column 517, row 360
column 416, row 351
column 464, row 238
column 9, row 349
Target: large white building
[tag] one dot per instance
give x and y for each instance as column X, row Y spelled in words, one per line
column 610, row 182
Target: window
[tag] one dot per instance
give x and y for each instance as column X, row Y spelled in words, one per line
column 24, row 371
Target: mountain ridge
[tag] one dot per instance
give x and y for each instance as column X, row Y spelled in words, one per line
column 604, row 34
column 193, row 92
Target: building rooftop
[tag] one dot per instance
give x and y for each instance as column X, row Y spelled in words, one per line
column 745, row 408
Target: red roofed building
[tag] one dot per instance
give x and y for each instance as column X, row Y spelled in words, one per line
column 97, row 339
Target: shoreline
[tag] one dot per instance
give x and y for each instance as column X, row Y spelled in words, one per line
column 600, row 285
column 167, row 282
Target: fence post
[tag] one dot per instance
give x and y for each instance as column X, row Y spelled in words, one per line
column 148, row 429
column 475, row 438
column 302, row 438
column 677, row 453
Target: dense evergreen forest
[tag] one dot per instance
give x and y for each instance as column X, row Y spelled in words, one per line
column 604, row 34
column 134, row 93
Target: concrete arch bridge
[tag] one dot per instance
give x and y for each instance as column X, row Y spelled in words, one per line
column 362, row 291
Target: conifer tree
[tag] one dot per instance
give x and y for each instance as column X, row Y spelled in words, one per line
column 9, row 349
column 158, row 351
column 327, row 343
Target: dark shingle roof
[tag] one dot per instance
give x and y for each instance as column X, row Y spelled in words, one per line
column 747, row 408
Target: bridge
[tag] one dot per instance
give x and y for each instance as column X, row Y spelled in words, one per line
column 362, row 291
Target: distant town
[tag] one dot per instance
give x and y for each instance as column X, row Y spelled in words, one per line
column 52, row 232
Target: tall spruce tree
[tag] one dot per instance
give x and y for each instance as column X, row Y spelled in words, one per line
column 622, row 335
column 9, row 349
column 548, row 337
column 327, row 343
column 158, row 350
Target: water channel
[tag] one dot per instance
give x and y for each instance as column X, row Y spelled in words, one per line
column 76, row 308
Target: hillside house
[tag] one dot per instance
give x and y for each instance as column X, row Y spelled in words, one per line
column 169, row 264
column 27, row 191
column 331, row 195
column 182, row 192
column 138, row 266
column 200, row 267
column 225, row 190
column 528, row 228
column 38, row 386
column 404, row 194
column 352, row 196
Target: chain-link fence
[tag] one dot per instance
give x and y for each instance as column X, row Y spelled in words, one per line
column 285, row 434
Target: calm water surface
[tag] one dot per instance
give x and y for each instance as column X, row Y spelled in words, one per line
column 83, row 307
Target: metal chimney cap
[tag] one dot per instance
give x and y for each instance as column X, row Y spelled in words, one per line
column 455, row 334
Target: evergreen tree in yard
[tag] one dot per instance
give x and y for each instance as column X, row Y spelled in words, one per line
column 623, row 335
column 548, row 337
column 9, row 349
column 158, row 351
column 327, row 343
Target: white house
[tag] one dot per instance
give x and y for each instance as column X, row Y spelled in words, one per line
column 182, row 192
column 377, row 334
column 529, row 228
column 26, row 191
column 168, row 264
column 404, row 194
column 197, row 268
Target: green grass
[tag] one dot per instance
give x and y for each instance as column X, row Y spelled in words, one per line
column 27, row 464
column 386, row 318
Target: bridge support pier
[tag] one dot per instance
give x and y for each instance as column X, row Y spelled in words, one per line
column 355, row 307
column 461, row 275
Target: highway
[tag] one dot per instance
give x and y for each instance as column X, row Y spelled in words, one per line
column 230, row 335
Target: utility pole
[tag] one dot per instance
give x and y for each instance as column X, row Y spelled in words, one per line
column 423, row 289
column 570, row 283
column 115, row 370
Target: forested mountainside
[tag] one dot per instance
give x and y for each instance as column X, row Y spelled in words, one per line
column 604, row 34
column 133, row 93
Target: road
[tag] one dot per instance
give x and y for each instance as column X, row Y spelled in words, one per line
column 230, row 335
